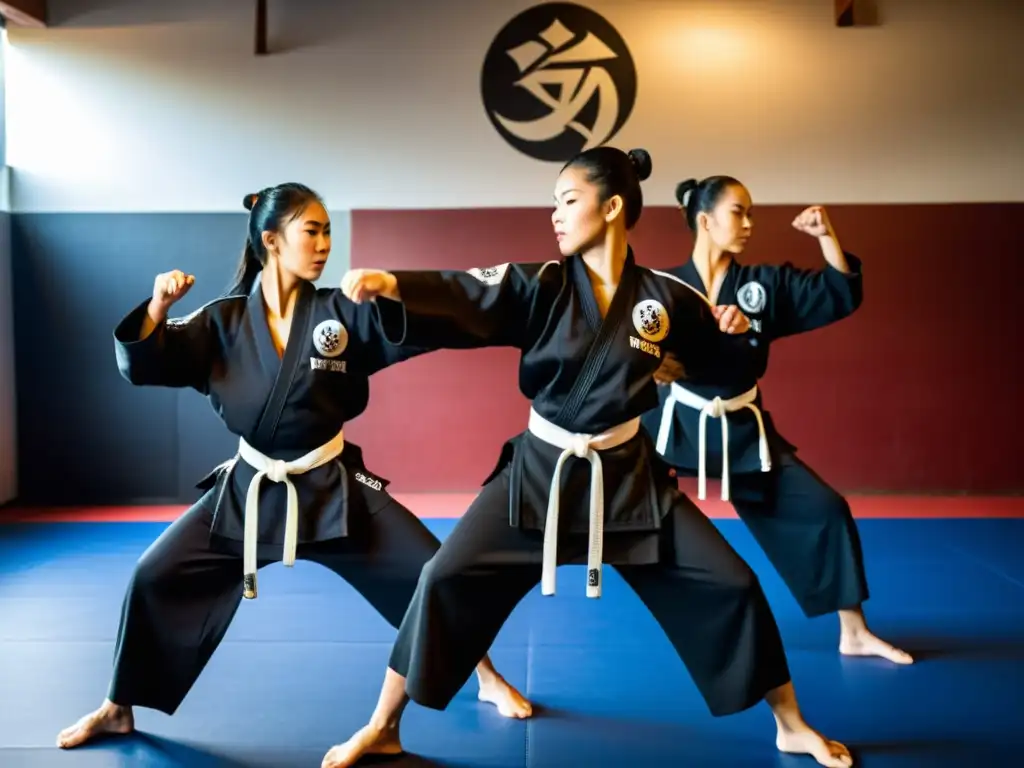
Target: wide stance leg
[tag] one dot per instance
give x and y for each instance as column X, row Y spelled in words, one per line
column 383, row 558
column 465, row 594
column 807, row 531
column 177, row 608
column 713, row 610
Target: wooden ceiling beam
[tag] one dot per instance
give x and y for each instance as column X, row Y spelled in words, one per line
column 24, row 13
column 261, row 27
column 844, row 12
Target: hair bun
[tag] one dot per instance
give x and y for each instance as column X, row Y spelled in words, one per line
column 684, row 191
column 250, row 200
column 641, row 160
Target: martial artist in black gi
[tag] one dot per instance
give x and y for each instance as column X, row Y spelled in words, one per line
column 285, row 365
column 803, row 524
column 592, row 329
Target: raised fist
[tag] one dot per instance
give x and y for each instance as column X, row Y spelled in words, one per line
column 813, row 221
column 169, row 287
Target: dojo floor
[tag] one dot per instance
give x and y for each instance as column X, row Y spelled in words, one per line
column 301, row 667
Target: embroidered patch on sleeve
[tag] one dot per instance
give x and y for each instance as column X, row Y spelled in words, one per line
column 489, row 275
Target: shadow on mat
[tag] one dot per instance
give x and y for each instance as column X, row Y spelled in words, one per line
column 642, row 724
column 941, row 753
column 991, row 643
column 947, row 748
column 143, row 748
column 139, row 748
column 409, row 761
column 935, row 647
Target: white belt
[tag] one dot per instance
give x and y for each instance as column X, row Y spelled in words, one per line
column 277, row 471
column 717, row 408
column 585, row 447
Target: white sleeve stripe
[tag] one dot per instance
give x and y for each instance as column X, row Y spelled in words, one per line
column 681, row 282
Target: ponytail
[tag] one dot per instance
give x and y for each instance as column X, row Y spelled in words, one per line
column 249, row 267
column 267, row 209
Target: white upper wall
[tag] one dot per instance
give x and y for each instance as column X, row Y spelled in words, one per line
column 149, row 105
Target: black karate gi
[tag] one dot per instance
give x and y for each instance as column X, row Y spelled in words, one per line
column 803, row 525
column 188, row 584
column 584, row 375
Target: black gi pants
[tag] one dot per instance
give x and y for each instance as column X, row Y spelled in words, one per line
column 185, row 592
column 702, row 593
column 808, row 533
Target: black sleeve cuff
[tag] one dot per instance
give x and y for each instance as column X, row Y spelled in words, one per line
column 420, row 291
column 855, row 268
column 126, row 333
column 393, row 320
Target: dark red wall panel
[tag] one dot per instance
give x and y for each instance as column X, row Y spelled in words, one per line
column 917, row 392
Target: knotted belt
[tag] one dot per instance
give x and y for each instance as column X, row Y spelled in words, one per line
column 277, row 471
column 716, row 408
column 584, row 447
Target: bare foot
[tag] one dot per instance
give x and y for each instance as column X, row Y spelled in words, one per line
column 807, row 741
column 866, row 644
column 508, row 700
column 108, row 720
column 367, row 741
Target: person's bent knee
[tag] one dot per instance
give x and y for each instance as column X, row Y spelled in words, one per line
column 430, row 575
column 149, row 576
column 833, row 508
column 738, row 577
column 437, row 572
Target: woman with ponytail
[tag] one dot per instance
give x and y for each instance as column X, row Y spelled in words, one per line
column 285, row 365
column 582, row 484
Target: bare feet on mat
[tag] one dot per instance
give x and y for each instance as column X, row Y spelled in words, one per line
column 367, row 741
column 508, row 700
column 807, row 741
column 108, row 720
column 864, row 643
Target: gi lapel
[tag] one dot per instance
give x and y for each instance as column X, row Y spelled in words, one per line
column 688, row 274
column 298, row 344
column 607, row 329
column 726, row 291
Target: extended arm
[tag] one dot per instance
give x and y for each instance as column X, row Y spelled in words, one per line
column 372, row 350
column 450, row 309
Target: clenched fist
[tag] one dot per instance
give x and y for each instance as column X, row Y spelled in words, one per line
column 169, row 287
column 731, row 319
column 361, row 285
column 813, row 221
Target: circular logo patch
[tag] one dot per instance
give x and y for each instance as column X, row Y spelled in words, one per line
column 651, row 320
column 330, row 338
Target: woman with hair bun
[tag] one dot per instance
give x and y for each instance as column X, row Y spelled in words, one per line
column 804, row 526
column 285, row 365
column 592, row 329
